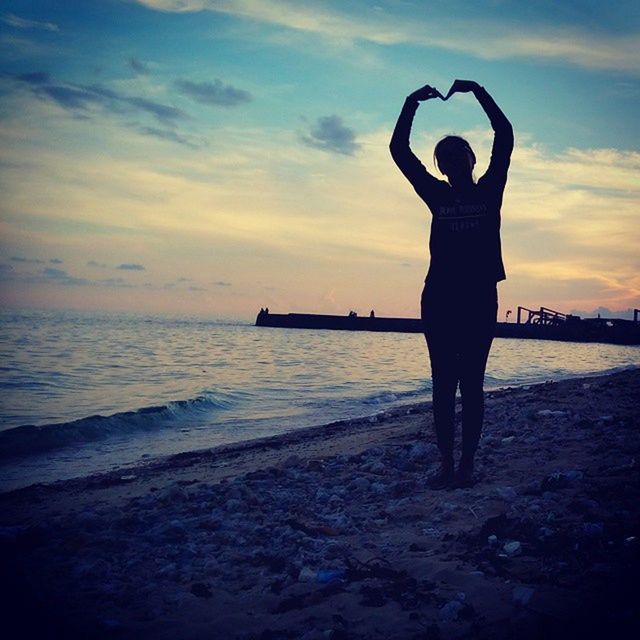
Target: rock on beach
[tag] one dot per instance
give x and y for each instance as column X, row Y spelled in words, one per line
column 332, row 532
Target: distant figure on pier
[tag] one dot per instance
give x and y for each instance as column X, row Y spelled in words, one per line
column 353, row 314
column 372, row 314
column 466, row 265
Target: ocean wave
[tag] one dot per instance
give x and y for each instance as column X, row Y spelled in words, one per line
column 31, row 439
column 492, row 382
column 388, row 397
column 538, row 376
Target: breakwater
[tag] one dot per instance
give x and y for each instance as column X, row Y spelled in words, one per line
column 572, row 329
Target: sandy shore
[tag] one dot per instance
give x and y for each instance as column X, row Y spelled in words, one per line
column 330, row 532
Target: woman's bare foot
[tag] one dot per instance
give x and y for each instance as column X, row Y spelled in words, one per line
column 443, row 478
column 464, row 475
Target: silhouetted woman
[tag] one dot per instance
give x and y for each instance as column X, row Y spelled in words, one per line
column 459, row 302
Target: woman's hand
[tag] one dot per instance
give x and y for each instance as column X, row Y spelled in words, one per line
column 462, row 86
column 425, row 93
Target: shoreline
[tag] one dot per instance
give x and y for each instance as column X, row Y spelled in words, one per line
column 232, row 538
column 288, row 438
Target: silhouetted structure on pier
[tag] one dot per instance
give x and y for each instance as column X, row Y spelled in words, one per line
column 540, row 324
column 545, row 316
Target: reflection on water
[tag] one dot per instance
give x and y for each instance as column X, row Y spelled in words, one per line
column 238, row 381
column 59, row 367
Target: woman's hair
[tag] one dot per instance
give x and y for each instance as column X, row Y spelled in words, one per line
column 449, row 145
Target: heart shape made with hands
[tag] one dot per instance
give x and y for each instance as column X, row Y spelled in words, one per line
column 459, row 86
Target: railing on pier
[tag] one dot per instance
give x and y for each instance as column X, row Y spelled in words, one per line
column 540, row 324
column 545, row 316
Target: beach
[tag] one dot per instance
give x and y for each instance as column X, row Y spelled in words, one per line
column 331, row 532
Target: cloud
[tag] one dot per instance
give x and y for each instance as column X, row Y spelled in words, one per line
column 36, row 77
column 51, row 276
column 175, row 6
column 93, row 263
column 50, row 272
column 330, row 134
column 19, row 46
column 62, row 277
column 604, row 312
column 56, row 261
column 270, row 207
column 139, row 67
column 23, row 259
column 215, row 94
column 114, row 282
column 495, row 37
column 168, row 134
column 69, row 97
column 22, row 23
column 162, row 111
column 81, row 97
column 128, row 266
column 84, row 100
column 221, row 283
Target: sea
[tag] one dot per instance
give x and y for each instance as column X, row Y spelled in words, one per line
column 83, row 393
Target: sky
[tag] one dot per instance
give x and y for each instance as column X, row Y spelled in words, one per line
column 211, row 157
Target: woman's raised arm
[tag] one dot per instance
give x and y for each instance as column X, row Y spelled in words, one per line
column 401, row 152
column 502, row 129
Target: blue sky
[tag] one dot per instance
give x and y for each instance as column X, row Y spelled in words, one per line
column 235, row 151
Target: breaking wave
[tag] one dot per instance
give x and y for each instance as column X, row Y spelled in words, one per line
column 32, row 439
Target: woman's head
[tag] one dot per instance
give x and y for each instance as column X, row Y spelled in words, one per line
column 454, row 158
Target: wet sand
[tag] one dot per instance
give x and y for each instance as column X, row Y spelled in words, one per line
column 330, row 532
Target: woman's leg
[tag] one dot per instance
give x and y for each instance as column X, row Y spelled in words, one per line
column 444, row 375
column 473, row 361
column 473, row 364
